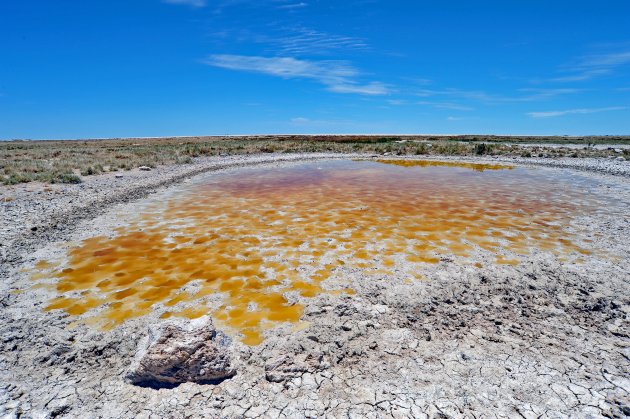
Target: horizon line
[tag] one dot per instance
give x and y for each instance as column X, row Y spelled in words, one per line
column 313, row 135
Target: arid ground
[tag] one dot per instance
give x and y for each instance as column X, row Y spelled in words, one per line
column 363, row 278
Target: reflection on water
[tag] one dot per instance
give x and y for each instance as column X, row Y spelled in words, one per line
column 479, row 167
column 257, row 238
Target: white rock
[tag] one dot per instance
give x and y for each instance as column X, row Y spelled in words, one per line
column 175, row 353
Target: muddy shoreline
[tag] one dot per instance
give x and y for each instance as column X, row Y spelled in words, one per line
column 544, row 338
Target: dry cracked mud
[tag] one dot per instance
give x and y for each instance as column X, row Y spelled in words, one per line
column 468, row 337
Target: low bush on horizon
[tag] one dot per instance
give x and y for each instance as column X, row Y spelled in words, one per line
column 63, row 161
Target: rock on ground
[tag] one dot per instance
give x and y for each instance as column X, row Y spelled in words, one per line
column 173, row 354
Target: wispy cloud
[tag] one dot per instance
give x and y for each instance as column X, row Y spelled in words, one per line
column 398, row 102
column 606, row 60
column 337, row 76
column 329, row 72
column 193, row 3
column 305, row 41
column 295, row 40
column 220, row 6
column 372, row 88
column 419, row 81
column 581, row 76
column 290, row 6
column 524, row 95
column 446, row 105
column 438, row 105
column 551, row 114
column 591, row 66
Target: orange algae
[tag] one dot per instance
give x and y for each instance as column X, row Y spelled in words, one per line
column 263, row 239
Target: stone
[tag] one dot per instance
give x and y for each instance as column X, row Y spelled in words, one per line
column 144, row 168
column 176, row 353
column 119, row 176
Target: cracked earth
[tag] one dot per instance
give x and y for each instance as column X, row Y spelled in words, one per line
column 544, row 338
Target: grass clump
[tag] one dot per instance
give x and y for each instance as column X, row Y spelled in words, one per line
column 92, row 170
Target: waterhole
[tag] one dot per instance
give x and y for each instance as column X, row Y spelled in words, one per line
column 248, row 246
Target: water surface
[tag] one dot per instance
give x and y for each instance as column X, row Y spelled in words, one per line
column 259, row 240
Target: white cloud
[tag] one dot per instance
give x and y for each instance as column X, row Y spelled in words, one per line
column 337, row 76
column 193, row 3
column 372, row 88
column 287, row 67
column 551, row 114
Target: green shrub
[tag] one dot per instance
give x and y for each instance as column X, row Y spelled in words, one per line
column 483, row 148
column 16, row 178
column 421, row 149
column 66, row 178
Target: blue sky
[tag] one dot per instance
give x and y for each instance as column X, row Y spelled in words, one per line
column 109, row 68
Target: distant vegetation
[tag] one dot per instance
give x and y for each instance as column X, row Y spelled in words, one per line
column 67, row 161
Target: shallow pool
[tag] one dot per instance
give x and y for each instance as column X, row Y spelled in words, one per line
column 255, row 237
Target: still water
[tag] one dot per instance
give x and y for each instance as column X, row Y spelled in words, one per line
column 255, row 237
